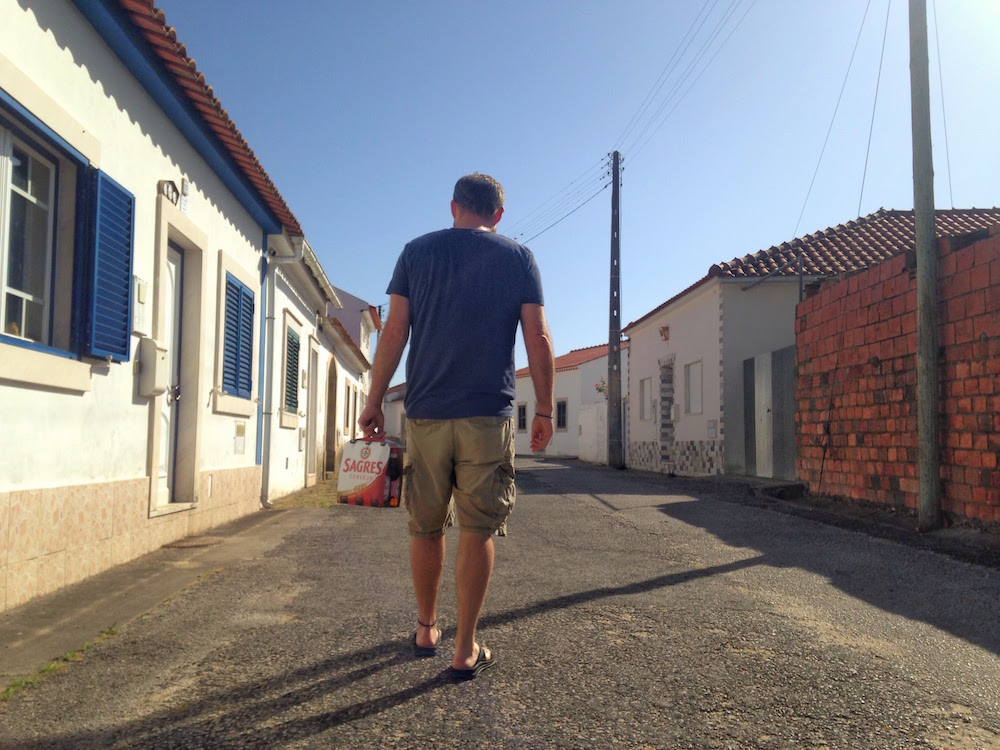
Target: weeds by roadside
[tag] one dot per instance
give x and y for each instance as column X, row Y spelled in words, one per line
column 56, row 665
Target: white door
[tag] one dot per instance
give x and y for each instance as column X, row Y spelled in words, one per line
column 168, row 402
column 763, row 416
column 311, row 413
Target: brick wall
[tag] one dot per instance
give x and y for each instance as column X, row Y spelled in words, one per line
column 856, row 388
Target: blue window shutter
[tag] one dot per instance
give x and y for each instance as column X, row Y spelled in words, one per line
column 292, row 372
column 246, row 343
column 107, row 324
column 237, row 349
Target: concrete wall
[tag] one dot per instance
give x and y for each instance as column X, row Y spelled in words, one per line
column 755, row 320
column 576, row 387
column 690, row 443
column 594, row 433
column 79, row 483
column 856, row 392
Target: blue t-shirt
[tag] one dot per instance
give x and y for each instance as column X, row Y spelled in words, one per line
column 465, row 289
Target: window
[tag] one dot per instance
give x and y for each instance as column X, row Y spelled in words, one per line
column 347, row 407
column 561, row 414
column 291, row 371
column 692, row 388
column 66, row 235
column 29, row 203
column 291, row 384
column 645, row 399
column 354, row 422
column 237, row 355
column 522, row 417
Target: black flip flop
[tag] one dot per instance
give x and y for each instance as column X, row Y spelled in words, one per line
column 423, row 650
column 482, row 663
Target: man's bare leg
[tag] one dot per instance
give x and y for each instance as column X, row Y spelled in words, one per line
column 473, row 568
column 426, row 564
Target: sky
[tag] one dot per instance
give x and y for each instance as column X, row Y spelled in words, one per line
column 742, row 124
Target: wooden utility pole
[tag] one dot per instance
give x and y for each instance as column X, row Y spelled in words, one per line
column 929, row 469
column 616, row 453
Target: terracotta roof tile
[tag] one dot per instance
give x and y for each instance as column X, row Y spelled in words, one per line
column 575, row 358
column 852, row 246
column 151, row 23
column 844, row 248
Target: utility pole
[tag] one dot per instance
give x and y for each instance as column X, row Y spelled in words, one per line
column 929, row 468
column 616, row 454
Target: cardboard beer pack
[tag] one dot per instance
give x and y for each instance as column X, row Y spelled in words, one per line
column 370, row 474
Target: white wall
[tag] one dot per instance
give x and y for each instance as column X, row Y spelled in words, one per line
column 594, row 433
column 755, row 321
column 694, row 323
column 576, row 386
column 288, row 454
column 53, row 60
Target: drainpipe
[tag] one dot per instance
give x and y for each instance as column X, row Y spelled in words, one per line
column 272, row 260
column 261, row 351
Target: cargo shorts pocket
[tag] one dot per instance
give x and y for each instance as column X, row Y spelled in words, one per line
column 407, row 484
column 504, row 494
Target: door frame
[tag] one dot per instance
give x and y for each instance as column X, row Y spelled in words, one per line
column 174, row 227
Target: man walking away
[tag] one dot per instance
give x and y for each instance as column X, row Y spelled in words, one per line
column 458, row 295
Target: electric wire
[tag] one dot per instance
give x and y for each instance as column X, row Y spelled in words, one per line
column 832, row 120
column 871, row 126
column 566, row 205
column 944, row 117
column 685, row 75
column 672, row 63
column 663, row 120
column 603, row 188
column 642, row 126
column 527, row 218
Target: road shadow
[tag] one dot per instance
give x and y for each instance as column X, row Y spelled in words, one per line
column 279, row 710
column 956, row 598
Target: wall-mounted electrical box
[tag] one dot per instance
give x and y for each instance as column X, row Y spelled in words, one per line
column 153, row 374
column 141, row 309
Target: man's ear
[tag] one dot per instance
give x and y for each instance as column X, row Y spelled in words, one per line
column 454, row 209
column 497, row 216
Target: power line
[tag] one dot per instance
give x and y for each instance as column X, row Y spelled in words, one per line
column 558, row 213
column 832, row 120
column 642, row 126
column 603, row 188
column 707, row 65
column 947, row 156
column 871, row 127
column 692, row 64
column 668, row 68
column 565, row 202
column 560, row 195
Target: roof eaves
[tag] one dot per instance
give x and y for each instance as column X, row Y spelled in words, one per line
column 149, row 23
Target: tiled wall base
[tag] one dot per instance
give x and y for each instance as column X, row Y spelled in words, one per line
column 53, row 537
column 685, row 457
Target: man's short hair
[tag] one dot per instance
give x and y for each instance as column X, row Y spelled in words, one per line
column 480, row 194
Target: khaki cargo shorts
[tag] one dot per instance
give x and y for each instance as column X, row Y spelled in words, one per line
column 470, row 460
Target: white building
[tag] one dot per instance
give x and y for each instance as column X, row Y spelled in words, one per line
column 580, row 380
column 163, row 355
column 394, row 413
column 354, row 324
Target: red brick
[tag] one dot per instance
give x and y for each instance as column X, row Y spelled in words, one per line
column 964, row 331
column 986, row 325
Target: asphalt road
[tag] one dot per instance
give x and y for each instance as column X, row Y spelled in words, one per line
column 626, row 611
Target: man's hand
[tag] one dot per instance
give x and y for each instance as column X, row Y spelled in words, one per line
column 372, row 421
column 541, row 433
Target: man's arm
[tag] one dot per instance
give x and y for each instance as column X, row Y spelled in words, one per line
column 541, row 364
column 392, row 341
